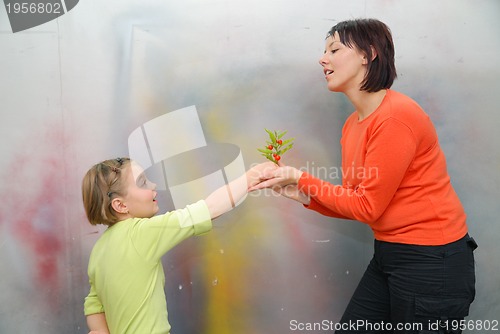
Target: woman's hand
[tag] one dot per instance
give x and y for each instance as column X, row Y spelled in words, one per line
column 292, row 191
column 260, row 172
column 279, row 177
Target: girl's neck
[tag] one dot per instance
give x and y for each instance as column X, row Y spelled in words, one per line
column 366, row 103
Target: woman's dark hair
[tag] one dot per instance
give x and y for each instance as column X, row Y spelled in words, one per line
column 365, row 34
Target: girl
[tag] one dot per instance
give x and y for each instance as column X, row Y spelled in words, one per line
column 125, row 270
column 421, row 277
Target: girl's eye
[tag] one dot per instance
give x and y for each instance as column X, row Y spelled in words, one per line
column 141, row 183
column 333, row 51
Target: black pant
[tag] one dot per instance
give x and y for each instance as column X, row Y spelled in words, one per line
column 413, row 289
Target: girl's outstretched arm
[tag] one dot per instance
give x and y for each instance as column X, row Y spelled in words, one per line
column 216, row 201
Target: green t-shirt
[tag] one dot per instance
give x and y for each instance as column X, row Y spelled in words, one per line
column 125, row 270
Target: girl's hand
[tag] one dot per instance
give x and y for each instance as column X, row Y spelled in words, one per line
column 98, row 332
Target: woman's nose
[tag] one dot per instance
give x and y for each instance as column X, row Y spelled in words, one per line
column 322, row 61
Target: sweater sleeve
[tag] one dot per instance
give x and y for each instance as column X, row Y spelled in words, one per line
column 389, row 152
column 316, row 206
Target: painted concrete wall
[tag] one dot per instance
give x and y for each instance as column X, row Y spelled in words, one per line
column 73, row 90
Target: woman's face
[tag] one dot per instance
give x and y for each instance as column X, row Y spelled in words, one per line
column 344, row 67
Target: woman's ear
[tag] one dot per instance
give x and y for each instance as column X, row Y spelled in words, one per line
column 373, row 55
column 118, row 205
column 374, row 52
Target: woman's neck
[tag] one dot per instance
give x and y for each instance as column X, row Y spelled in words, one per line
column 366, row 103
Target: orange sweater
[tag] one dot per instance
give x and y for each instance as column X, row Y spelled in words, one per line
column 394, row 177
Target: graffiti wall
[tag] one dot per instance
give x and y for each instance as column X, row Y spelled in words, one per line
column 74, row 89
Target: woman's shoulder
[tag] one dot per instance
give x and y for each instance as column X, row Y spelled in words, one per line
column 401, row 100
column 402, row 107
column 403, row 110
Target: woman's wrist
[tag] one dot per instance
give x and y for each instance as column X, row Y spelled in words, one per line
column 298, row 175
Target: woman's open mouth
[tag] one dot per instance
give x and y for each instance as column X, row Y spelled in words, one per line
column 327, row 72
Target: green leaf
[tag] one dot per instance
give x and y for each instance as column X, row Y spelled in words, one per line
column 286, row 148
column 272, row 135
column 280, row 135
column 277, row 148
column 271, row 159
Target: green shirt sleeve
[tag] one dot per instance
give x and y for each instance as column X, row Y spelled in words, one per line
column 155, row 236
column 92, row 303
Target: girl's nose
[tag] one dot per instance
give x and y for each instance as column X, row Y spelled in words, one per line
column 150, row 185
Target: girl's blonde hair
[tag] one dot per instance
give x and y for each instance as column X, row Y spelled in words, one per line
column 100, row 185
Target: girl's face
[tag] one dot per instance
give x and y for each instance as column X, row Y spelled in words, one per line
column 344, row 67
column 141, row 193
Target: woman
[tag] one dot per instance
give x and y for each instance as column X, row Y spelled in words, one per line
column 421, row 277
